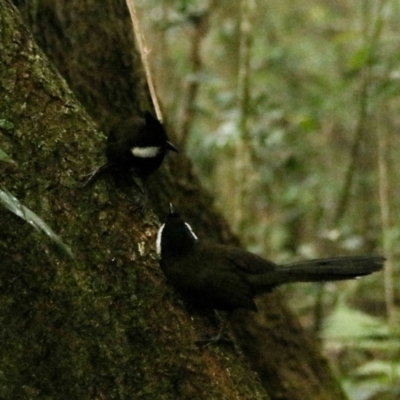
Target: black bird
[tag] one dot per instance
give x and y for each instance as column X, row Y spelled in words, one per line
column 137, row 145
column 221, row 277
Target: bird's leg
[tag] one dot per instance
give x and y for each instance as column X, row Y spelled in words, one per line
column 140, row 199
column 140, row 184
column 92, row 176
column 218, row 338
column 134, row 189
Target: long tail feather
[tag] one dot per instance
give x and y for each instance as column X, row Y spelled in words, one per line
column 320, row 270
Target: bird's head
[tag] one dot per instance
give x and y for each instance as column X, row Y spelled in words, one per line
column 175, row 237
column 148, row 139
column 156, row 133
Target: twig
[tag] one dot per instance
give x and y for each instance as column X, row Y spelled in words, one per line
column 243, row 157
column 144, row 53
column 384, row 197
column 200, row 26
column 370, row 42
column 372, row 33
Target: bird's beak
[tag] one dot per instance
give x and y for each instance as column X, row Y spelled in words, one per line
column 171, row 147
column 171, row 208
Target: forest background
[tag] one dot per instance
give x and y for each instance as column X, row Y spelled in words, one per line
column 289, row 111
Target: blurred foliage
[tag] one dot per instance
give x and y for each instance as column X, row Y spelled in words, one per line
column 367, row 349
column 325, row 78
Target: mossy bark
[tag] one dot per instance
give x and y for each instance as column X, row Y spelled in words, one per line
column 102, row 325
column 106, row 325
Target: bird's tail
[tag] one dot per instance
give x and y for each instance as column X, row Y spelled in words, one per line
column 320, row 270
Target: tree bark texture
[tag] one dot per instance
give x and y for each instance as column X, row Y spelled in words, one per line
column 106, row 325
column 103, row 326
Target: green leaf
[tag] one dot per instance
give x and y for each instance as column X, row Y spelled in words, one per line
column 348, row 324
column 5, row 157
column 379, row 368
column 12, row 204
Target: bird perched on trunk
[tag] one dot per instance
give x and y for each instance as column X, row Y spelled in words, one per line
column 221, row 277
column 135, row 146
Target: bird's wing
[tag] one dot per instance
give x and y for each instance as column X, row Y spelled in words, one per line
column 212, row 284
column 227, row 289
column 248, row 262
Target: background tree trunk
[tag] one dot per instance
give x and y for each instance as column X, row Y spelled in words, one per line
column 106, row 325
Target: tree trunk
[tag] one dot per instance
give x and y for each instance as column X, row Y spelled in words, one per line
column 106, row 325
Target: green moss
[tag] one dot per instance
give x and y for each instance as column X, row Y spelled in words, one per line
column 103, row 325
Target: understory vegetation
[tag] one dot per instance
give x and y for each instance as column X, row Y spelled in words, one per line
column 290, row 112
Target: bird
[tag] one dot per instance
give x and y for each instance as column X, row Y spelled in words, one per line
column 137, row 146
column 226, row 278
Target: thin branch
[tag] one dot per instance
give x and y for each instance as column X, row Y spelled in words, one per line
column 144, row 53
column 355, row 149
column 243, row 160
column 384, row 196
column 200, row 25
column 371, row 39
column 370, row 42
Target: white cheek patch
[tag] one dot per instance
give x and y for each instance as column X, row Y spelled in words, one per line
column 191, row 230
column 145, row 152
column 159, row 237
column 158, row 241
